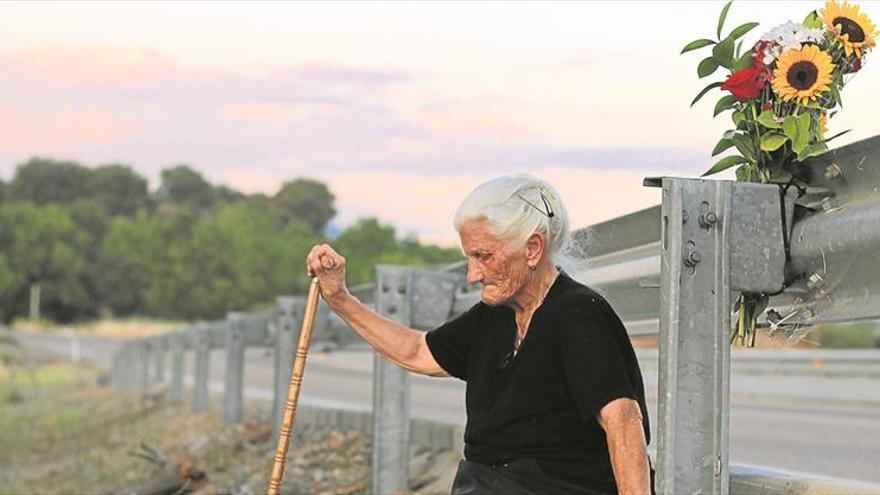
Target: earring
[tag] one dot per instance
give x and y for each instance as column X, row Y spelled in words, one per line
column 533, row 267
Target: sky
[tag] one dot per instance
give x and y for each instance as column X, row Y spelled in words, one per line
column 401, row 108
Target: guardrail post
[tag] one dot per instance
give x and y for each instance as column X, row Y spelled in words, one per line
column 202, row 343
column 116, row 370
column 143, row 363
column 178, row 344
column 286, row 323
column 233, row 407
column 694, row 363
column 130, row 369
column 75, row 349
column 160, row 345
column 717, row 236
column 391, row 390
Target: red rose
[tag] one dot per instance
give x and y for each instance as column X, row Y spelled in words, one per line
column 857, row 65
column 746, row 84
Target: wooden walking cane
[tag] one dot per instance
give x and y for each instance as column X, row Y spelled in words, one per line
column 296, row 378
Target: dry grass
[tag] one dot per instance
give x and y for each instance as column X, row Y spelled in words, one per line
column 68, row 435
column 108, row 327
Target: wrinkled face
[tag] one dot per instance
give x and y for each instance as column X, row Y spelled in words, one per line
column 502, row 271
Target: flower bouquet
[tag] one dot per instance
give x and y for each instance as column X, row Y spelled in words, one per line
column 781, row 93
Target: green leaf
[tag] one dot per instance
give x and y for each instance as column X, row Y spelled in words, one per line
column 772, row 141
column 742, row 30
column 835, row 91
column 725, row 103
column 729, row 134
column 693, row 45
column 706, row 90
column 796, row 131
column 745, row 146
column 707, row 66
column 723, row 53
column 722, row 17
column 811, row 150
column 722, row 145
column 739, row 118
column 744, row 173
column 812, row 20
column 768, row 120
column 803, row 125
column 744, row 61
column 725, row 163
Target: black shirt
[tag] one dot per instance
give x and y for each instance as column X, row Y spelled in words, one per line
column 542, row 403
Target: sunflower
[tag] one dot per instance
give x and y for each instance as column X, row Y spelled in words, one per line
column 853, row 28
column 802, row 74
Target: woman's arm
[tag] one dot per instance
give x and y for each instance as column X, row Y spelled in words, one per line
column 401, row 345
column 622, row 421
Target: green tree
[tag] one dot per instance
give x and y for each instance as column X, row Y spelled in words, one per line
column 368, row 243
column 3, row 193
column 226, row 194
column 183, row 186
column 308, row 200
column 118, row 189
column 44, row 181
column 129, row 255
column 244, row 261
column 234, row 260
column 429, row 254
column 363, row 244
column 174, row 275
column 42, row 244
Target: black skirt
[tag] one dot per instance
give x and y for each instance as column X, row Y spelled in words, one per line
column 519, row 477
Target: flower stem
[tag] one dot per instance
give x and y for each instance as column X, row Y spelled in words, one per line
column 756, row 140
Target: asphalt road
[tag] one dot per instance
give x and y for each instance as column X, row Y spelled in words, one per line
column 817, row 424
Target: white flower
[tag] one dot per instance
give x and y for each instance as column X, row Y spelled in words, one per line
column 788, row 36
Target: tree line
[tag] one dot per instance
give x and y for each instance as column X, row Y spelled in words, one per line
column 97, row 242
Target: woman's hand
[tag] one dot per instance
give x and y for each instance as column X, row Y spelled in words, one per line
column 329, row 266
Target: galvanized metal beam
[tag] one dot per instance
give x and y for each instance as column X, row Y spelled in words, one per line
column 178, row 343
column 391, row 389
column 286, row 325
column 716, row 236
column 201, row 342
column 233, row 397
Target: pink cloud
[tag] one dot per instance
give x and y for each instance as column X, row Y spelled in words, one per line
column 478, row 115
column 279, row 113
column 65, row 130
column 86, row 66
column 475, row 125
column 343, row 73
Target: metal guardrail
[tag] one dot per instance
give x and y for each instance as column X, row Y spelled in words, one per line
column 642, row 263
column 838, row 363
column 756, row 480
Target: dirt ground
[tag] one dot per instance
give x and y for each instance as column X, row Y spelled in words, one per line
column 62, row 431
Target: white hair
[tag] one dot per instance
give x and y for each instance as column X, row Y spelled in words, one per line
column 518, row 206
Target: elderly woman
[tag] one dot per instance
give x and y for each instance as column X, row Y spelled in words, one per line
column 555, row 399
